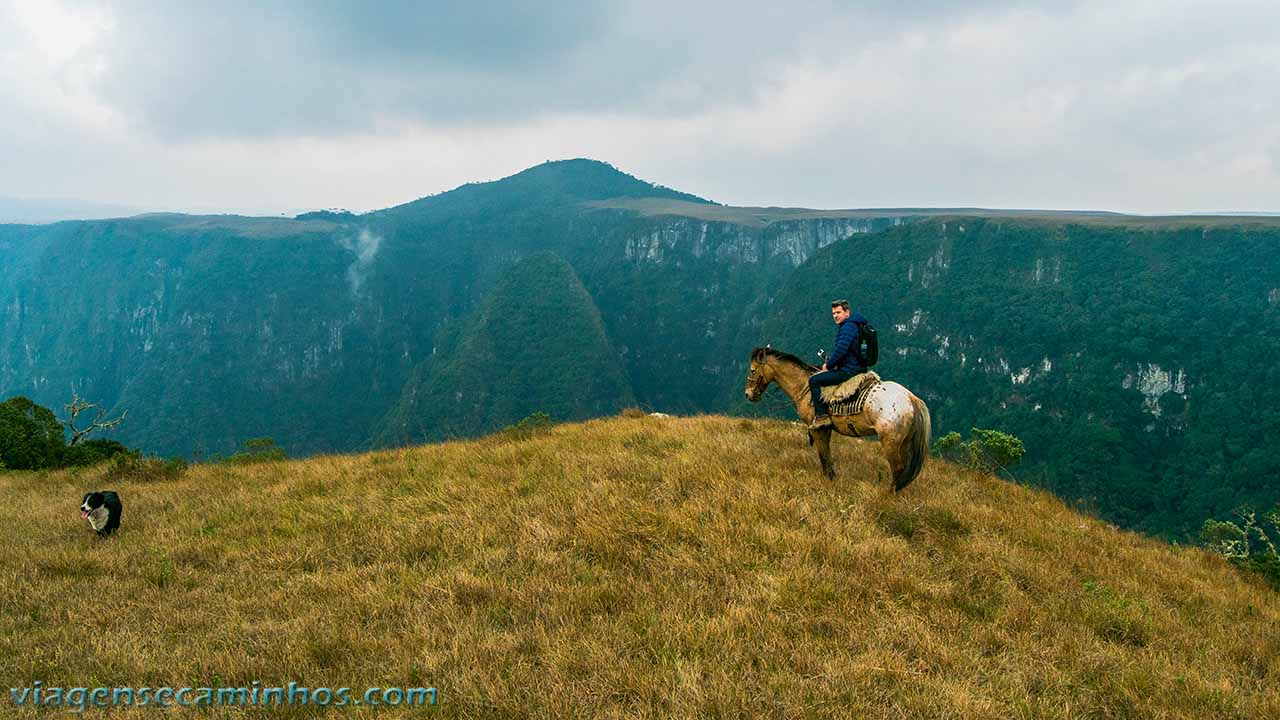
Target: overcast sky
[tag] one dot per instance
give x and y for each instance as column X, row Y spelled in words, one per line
column 1157, row 106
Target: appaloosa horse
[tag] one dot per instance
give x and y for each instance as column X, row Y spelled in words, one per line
column 891, row 412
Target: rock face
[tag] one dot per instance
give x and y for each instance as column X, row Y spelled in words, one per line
column 320, row 330
column 1123, row 357
column 792, row 241
column 1154, row 382
column 212, row 330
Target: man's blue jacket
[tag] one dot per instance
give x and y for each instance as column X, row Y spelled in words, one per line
column 847, row 353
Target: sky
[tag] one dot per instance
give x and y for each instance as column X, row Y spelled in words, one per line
column 268, row 108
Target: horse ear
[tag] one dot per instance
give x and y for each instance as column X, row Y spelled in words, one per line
column 757, row 354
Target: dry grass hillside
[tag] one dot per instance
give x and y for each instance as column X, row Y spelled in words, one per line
column 627, row 567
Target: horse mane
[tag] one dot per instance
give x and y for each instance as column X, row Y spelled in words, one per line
column 786, row 356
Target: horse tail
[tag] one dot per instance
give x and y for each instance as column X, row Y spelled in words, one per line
column 916, row 446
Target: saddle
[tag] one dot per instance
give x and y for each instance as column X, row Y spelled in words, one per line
column 850, row 396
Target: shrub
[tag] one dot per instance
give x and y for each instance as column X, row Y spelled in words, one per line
column 633, row 412
column 948, row 445
column 257, row 450
column 132, row 466
column 1116, row 617
column 986, row 451
column 1249, row 546
column 31, row 438
column 90, row 452
column 534, row 424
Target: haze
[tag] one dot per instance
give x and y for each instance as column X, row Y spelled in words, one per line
column 1157, row 107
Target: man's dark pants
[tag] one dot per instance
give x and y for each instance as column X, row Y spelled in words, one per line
column 823, row 379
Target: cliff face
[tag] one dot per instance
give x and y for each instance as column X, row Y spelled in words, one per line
column 212, row 330
column 791, row 241
column 683, row 297
column 209, row 331
column 1128, row 354
column 1129, row 360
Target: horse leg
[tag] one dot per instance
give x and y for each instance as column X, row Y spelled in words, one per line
column 891, row 446
column 904, row 427
column 823, row 438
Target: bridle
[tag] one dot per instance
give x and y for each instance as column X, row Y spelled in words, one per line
column 756, row 381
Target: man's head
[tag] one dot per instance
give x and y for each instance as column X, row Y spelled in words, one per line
column 839, row 311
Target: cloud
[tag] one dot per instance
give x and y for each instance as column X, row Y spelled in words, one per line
column 246, row 69
column 1153, row 106
column 365, row 246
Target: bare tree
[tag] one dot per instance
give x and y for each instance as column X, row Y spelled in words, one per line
column 77, row 406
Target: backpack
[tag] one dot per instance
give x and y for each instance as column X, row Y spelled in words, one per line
column 868, row 345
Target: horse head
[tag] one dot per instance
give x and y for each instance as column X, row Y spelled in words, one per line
column 758, row 377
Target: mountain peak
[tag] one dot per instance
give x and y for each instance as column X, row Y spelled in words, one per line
column 588, row 179
column 553, row 182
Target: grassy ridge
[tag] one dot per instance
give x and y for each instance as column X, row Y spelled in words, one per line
column 762, row 216
column 629, row 567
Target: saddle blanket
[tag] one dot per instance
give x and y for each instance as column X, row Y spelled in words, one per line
column 846, row 389
column 850, row 396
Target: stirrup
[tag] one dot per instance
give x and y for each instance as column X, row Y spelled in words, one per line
column 819, row 422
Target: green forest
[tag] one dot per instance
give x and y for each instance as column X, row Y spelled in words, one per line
column 1133, row 356
column 1137, row 364
column 536, row 344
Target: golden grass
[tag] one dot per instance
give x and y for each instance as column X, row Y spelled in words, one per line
column 629, row 567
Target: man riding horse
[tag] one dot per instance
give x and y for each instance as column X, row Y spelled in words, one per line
column 844, row 361
column 890, row 412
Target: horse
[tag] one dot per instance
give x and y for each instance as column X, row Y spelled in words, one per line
column 891, row 412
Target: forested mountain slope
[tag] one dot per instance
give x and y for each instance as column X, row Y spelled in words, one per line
column 536, row 344
column 1138, row 364
column 211, row 330
column 1132, row 354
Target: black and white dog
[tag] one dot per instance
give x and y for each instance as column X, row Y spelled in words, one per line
column 102, row 510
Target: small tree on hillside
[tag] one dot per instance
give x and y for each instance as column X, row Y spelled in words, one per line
column 1247, row 545
column 30, row 435
column 77, row 406
column 256, row 450
column 986, row 450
